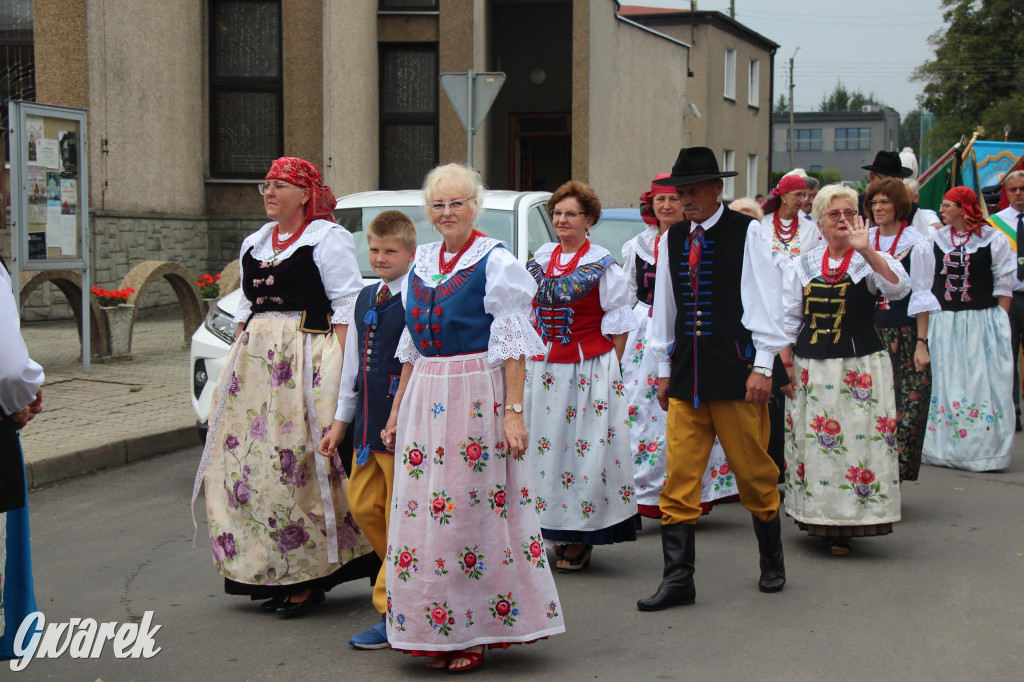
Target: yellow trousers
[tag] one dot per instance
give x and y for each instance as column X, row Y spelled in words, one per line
column 743, row 430
column 369, row 496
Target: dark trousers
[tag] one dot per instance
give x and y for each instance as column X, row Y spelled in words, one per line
column 1016, row 327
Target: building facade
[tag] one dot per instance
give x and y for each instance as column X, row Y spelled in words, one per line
column 188, row 101
column 843, row 140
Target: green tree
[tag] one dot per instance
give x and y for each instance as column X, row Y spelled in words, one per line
column 910, row 131
column 975, row 77
column 841, row 99
column 782, row 106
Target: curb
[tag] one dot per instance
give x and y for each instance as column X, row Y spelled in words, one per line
column 72, row 464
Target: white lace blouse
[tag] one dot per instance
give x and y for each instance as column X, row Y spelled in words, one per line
column 334, row 252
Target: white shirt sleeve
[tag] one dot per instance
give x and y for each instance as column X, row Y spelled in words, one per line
column 244, row 309
column 349, row 369
column 922, row 277
column 893, row 291
column 629, row 268
column 20, row 376
column 792, row 303
column 335, row 257
column 508, row 297
column 1004, row 266
column 614, row 292
column 663, row 316
column 760, row 293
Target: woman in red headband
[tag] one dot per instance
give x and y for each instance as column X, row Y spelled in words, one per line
column 967, row 271
column 278, row 514
column 789, row 233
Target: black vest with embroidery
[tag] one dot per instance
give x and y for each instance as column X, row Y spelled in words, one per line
column 837, row 320
column 645, row 280
column 289, row 285
column 713, row 352
column 963, row 281
column 889, row 313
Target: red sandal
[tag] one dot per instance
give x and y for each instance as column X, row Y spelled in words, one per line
column 473, row 657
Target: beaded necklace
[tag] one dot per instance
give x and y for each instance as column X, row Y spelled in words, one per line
column 785, row 234
column 279, row 244
column 953, row 237
column 557, row 270
column 447, row 268
column 891, row 249
column 835, row 276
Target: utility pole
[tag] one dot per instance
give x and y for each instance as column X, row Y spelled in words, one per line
column 792, row 132
column 732, row 9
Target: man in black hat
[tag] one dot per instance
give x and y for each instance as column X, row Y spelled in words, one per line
column 715, row 330
column 889, row 165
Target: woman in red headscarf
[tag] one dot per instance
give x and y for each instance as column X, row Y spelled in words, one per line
column 790, row 233
column 967, row 271
column 278, row 515
column 660, row 208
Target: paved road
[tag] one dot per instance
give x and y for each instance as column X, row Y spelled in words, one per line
column 940, row 599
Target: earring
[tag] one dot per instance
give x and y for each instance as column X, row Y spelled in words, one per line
column 588, row 233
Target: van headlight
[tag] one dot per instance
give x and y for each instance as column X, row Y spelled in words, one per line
column 221, row 325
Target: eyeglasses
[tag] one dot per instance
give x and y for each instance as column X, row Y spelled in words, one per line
column 800, row 195
column 455, row 206
column 879, row 202
column 276, row 186
column 946, row 204
column 569, row 215
column 849, row 214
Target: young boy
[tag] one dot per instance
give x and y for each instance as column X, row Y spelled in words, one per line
column 370, row 377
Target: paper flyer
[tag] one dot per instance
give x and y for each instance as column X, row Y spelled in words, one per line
column 34, row 133
column 68, row 196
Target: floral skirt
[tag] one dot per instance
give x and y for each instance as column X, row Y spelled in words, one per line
column 841, row 462
column 913, row 396
column 579, row 451
column 971, row 417
column 647, row 423
column 466, row 562
column 267, row 489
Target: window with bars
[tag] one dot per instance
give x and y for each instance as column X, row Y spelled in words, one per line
column 853, row 139
column 246, row 96
column 408, row 113
column 17, row 60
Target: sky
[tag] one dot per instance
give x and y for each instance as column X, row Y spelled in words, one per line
column 871, row 45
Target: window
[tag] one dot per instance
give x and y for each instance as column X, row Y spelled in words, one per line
column 728, row 164
column 408, row 113
column 754, row 83
column 730, row 74
column 807, row 140
column 814, row 169
column 853, row 139
column 751, row 175
column 408, row 5
column 246, row 100
column 17, row 60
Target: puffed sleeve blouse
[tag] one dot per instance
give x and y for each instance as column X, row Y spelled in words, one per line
column 334, row 252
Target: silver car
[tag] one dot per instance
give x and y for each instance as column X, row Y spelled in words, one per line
column 519, row 219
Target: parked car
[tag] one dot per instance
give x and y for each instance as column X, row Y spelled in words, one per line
column 616, row 227
column 517, row 218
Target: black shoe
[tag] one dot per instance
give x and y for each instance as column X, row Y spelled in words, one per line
column 272, row 604
column 676, row 587
column 289, row 609
column 769, row 546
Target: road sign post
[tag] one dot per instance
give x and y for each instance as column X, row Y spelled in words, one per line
column 472, row 95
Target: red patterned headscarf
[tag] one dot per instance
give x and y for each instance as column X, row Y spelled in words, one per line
column 968, row 202
column 306, row 175
column 647, row 200
column 788, row 183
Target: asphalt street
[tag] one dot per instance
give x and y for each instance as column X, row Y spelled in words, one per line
column 939, row 599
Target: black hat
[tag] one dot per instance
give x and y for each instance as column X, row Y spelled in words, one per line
column 888, row 163
column 693, row 164
column 992, row 194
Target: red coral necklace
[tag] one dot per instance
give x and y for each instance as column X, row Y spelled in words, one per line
column 447, row 268
column 282, row 244
column 555, row 269
column 786, row 234
column 953, row 234
column 891, row 249
column 835, row 276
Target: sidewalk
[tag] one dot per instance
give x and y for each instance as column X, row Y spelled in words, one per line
column 118, row 413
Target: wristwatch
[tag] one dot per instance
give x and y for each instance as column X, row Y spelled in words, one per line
column 515, row 407
column 763, row 371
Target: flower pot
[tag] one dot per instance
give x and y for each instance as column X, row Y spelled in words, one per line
column 208, row 303
column 119, row 329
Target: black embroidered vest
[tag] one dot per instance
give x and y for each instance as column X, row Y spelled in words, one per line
column 837, row 320
column 289, row 285
column 963, row 281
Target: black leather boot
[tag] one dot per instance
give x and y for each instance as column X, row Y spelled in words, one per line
column 676, row 587
column 769, row 546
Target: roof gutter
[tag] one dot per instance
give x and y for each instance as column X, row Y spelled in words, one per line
column 652, row 31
